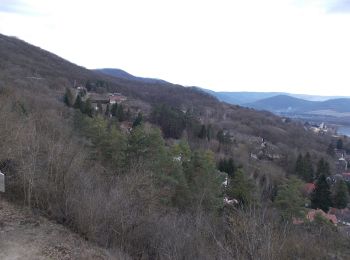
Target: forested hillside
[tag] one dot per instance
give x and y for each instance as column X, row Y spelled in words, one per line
column 164, row 172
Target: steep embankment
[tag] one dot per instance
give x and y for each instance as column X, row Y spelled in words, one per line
column 24, row 235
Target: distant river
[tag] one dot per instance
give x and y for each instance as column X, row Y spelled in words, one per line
column 344, row 130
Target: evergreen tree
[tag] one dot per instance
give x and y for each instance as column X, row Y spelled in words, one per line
column 203, row 132
column 209, row 132
column 228, row 166
column 69, row 97
column 330, row 150
column 241, row 188
column 308, row 169
column 222, row 137
column 341, row 195
column 290, row 200
column 204, row 181
column 114, row 109
column 303, row 168
column 87, row 108
column 171, row 120
column 321, row 197
column 322, row 168
column 138, row 120
column 340, row 144
column 299, row 165
column 99, row 107
column 107, row 112
column 120, row 113
column 78, row 102
column 128, row 115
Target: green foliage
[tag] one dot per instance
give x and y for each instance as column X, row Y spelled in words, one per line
column 69, row 97
column 227, row 165
column 138, row 120
column 78, row 102
column 241, row 188
column 203, row 132
column 145, row 146
column 172, row 121
column 204, row 182
column 341, row 195
column 330, row 150
column 223, row 137
column 107, row 112
column 120, row 113
column 323, row 168
column 114, row 109
column 87, row 108
column 303, row 168
column 340, row 144
column 290, row 200
column 321, row 197
column 108, row 142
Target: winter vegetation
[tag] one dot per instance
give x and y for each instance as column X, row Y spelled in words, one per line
column 165, row 172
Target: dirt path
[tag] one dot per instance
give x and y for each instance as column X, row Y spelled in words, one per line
column 27, row 236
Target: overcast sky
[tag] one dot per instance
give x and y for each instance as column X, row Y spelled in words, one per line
column 233, row 45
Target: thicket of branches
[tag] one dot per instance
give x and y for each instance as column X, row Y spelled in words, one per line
column 152, row 198
column 133, row 192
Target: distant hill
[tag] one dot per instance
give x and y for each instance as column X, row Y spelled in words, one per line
column 288, row 104
column 242, row 98
column 118, row 73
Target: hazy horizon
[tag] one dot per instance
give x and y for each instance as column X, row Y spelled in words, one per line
column 254, row 46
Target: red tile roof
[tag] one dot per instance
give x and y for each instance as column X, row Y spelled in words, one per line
column 312, row 214
column 309, row 188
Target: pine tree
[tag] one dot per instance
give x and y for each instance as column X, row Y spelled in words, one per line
column 78, row 102
column 290, row 200
column 120, row 113
column 114, row 109
column 107, row 112
column 209, row 132
column 341, row 195
column 303, row 168
column 241, row 188
column 204, row 181
column 138, row 120
column 87, row 108
column 69, row 97
column 322, row 168
column 203, row 132
column 321, row 197
column 299, row 166
column 228, row 166
column 330, row 150
column 340, row 144
column 308, row 169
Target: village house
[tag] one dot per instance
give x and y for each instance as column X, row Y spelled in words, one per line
column 308, row 189
column 343, row 215
column 311, row 215
column 116, row 98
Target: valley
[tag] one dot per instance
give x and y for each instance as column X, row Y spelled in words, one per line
column 158, row 170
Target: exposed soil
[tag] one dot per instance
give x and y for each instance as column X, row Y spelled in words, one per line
column 24, row 235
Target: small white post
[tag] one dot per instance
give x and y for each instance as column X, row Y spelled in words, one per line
column 2, row 182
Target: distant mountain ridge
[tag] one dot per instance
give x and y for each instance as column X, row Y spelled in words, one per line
column 246, row 97
column 118, row 73
column 289, row 104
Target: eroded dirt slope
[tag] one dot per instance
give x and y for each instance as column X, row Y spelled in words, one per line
column 24, row 235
